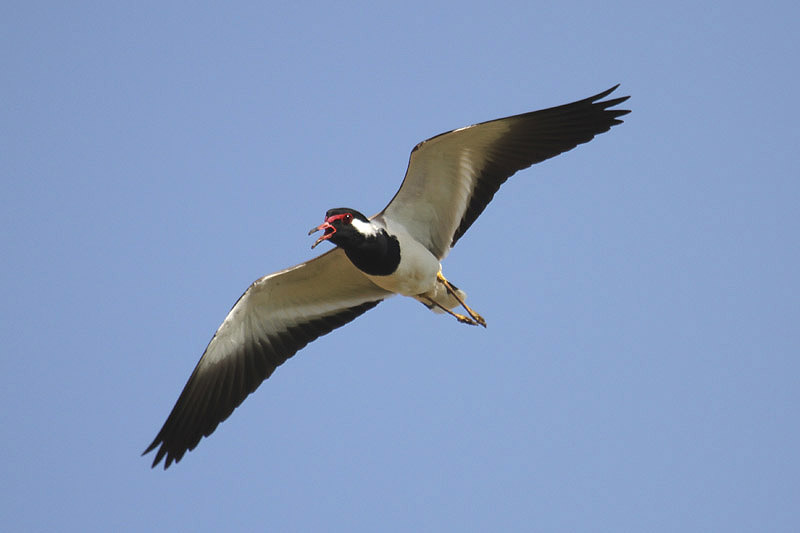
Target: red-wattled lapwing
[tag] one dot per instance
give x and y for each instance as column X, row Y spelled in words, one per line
column 450, row 180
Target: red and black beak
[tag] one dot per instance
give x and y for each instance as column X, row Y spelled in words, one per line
column 329, row 228
column 329, row 231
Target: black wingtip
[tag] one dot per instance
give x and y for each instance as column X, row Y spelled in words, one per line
column 603, row 94
column 155, row 460
column 613, row 101
column 607, row 104
column 600, row 96
column 159, row 454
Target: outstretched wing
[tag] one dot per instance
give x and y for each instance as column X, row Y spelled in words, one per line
column 277, row 315
column 453, row 176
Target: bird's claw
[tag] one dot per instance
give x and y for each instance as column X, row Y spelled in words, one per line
column 467, row 320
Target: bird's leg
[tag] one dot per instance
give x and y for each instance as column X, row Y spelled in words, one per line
column 452, row 290
column 461, row 318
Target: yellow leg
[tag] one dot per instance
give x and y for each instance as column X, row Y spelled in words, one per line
column 452, row 290
column 461, row 318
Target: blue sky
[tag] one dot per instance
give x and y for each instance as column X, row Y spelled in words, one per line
column 640, row 371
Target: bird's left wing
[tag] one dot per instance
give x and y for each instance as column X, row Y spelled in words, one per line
column 277, row 315
column 453, row 176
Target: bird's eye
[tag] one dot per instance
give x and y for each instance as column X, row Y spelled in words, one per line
column 348, row 217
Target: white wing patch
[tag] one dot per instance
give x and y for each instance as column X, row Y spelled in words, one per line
column 441, row 177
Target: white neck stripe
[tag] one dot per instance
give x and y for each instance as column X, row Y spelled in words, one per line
column 365, row 228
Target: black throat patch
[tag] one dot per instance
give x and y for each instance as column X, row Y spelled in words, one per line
column 376, row 256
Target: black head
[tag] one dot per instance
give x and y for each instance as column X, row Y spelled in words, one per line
column 343, row 225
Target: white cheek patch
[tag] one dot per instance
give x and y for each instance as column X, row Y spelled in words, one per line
column 365, row 228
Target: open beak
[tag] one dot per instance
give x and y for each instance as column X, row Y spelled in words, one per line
column 329, row 231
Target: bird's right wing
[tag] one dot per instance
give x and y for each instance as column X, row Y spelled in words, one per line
column 277, row 315
column 453, row 176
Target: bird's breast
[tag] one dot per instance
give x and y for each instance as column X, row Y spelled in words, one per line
column 416, row 272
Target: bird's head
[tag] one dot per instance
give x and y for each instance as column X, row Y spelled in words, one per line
column 343, row 225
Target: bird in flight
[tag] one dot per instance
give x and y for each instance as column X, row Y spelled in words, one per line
column 449, row 181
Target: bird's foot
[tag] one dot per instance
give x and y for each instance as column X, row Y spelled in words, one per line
column 467, row 320
column 478, row 319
